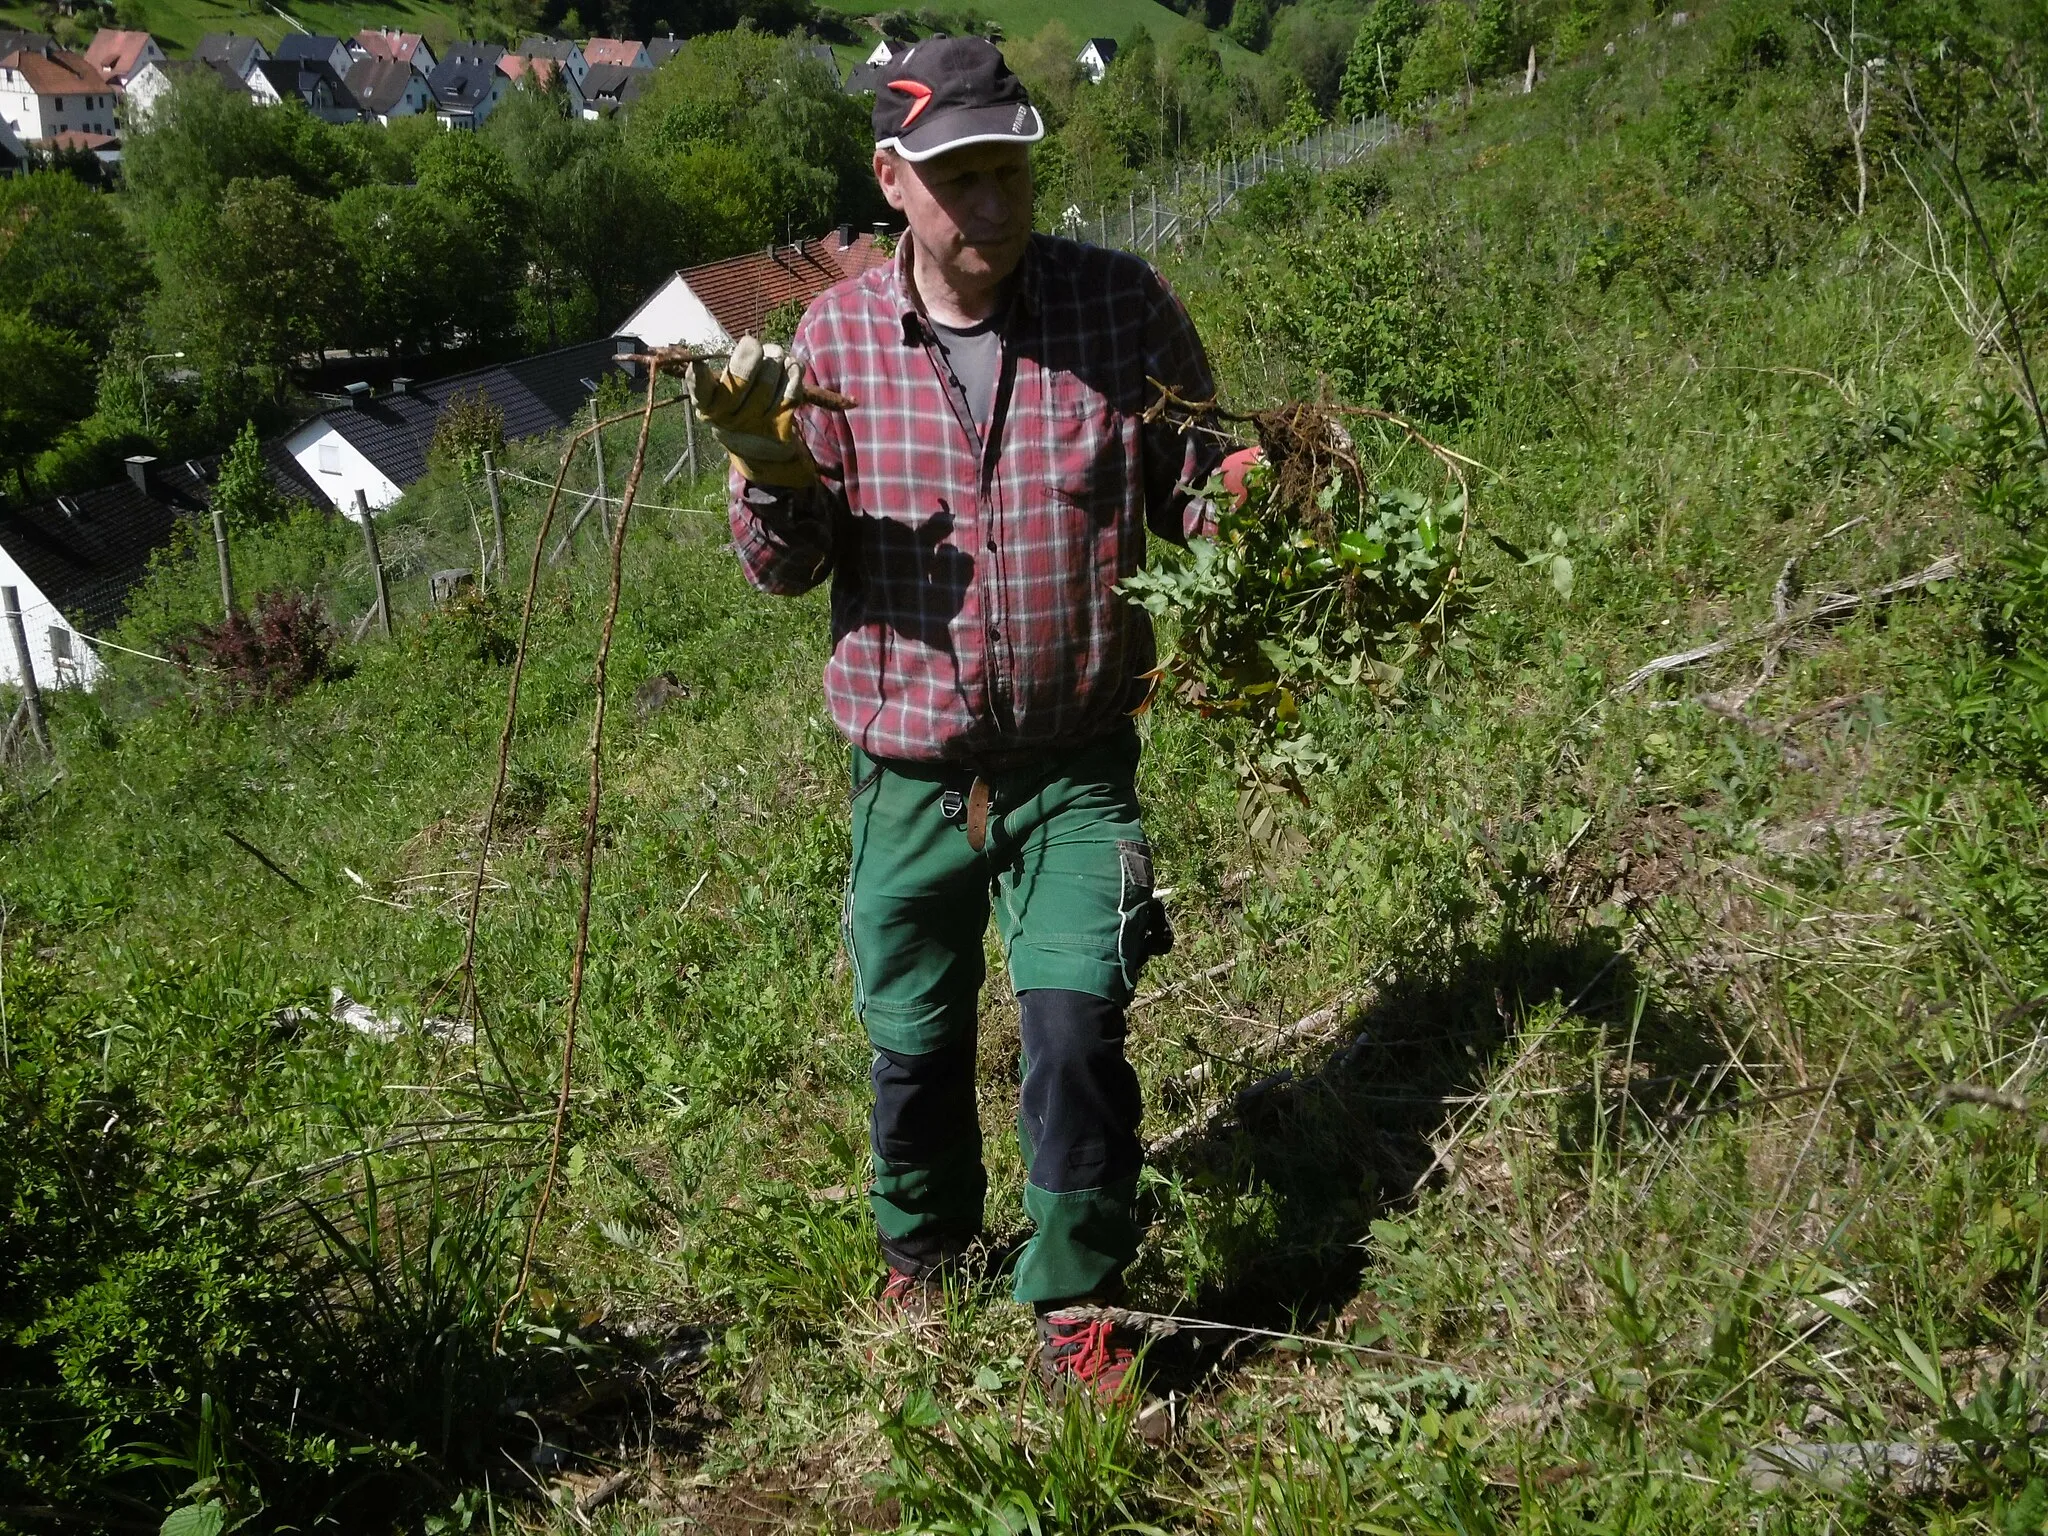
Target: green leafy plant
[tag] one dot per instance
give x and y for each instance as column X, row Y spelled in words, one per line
column 1319, row 579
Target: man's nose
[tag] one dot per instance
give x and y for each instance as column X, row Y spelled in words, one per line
column 989, row 201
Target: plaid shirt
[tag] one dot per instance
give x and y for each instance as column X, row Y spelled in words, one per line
column 974, row 616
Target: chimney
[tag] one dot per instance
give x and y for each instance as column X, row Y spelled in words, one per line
column 401, row 385
column 358, row 395
column 143, row 471
column 845, row 236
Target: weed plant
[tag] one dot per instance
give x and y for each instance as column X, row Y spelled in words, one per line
column 1674, row 1164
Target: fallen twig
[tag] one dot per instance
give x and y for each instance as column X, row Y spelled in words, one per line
column 1829, row 608
column 264, row 859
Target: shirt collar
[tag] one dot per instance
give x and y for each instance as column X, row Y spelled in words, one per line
column 1024, row 301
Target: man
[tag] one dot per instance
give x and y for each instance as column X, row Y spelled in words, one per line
column 975, row 508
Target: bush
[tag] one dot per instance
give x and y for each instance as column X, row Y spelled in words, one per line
column 286, row 646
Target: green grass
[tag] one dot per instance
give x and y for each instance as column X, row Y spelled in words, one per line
column 179, row 24
column 1639, row 1151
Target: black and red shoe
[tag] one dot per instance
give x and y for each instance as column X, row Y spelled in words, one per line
column 909, row 1298
column 1083, row 1349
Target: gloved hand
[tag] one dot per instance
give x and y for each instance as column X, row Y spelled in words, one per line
column 750, row 407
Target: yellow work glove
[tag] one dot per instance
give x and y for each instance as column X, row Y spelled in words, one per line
column 750, row 406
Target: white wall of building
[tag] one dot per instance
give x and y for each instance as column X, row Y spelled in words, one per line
column 33, row 117
column 675, row 317
column 332, row 462
column 61, row 656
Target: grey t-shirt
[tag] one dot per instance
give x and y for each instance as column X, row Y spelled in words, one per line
column 974, row 354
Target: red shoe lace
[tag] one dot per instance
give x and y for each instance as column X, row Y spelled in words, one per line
column 1086, row 1350
column 899, row 1288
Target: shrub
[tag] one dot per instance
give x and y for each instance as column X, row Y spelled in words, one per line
column 286, row 646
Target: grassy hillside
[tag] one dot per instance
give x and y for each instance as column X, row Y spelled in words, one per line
column 1669, row 1160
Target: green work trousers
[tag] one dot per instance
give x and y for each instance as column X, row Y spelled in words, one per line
column 1068, row 871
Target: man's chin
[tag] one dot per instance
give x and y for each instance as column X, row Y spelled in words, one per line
column 997, row 260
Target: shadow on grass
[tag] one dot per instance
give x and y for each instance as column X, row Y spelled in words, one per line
column 1353, row 1141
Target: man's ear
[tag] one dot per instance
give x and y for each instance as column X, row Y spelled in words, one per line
column 889, row 177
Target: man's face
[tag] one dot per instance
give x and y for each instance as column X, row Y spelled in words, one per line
column 969, row 209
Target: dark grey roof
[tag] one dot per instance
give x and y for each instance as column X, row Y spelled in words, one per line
column 86, row 551
column 463, row 79
column 613, row 83
column 537, row 394
column 11, row 40
column 308, row 45
column 822, row 52
column 213, row 69
column 538, row 47
column 378, row 85
column 1105, row 47
column 236, row 50
column 661, row 49
column 866, row 77
column 307, row 79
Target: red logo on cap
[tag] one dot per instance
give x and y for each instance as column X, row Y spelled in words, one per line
column 920, row 94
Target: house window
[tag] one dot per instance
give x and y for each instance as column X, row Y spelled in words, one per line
column 63, row 660
column 330, row 459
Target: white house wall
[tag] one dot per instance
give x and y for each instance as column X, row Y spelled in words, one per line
column 352, row 473
column 39, row 616
column 675, row 317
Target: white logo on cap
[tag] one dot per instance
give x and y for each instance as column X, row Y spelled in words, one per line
column 1018, row 125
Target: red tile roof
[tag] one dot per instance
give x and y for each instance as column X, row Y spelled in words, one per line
column 72, row 139
column 116, row 54
column 516, row 66
column 383, row 43
column 612, row 50
column 742, row 291
column 58, row 72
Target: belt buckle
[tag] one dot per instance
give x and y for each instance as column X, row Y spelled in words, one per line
column 951, row 804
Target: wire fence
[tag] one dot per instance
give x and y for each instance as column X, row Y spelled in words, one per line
column 1172, row 211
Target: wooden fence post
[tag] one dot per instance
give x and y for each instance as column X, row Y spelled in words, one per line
column 604, row 515
column 376, row 561
column 227, row 571
column 31, row 695
column 690, row 437
column 497, row 520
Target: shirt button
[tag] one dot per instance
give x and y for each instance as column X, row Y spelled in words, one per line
column 990, row 546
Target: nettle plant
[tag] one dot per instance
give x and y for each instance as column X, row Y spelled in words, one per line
column 1324, row 576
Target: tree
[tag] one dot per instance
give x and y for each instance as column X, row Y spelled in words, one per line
column 45, row 370
column 1373, row 71
column 253, row 283
column 200, row 137
column 66, row 261
column 1251, row 23
column 411, row 267
column 244, row 491
column 1314, row 44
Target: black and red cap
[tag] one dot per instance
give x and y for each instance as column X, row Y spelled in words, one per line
column 947, row 92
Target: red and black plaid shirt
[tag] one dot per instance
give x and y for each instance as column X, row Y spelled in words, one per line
column 974, row 612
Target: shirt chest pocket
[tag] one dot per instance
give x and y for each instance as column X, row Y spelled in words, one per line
column 1080, row 436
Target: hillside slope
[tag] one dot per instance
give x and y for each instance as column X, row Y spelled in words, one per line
column 1662, row 1150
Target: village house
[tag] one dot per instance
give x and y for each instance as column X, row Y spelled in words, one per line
column 661, row 49
column 384, row 43
column 377, row 444
column 712, row 306
column 609, row 87
column 384, row 88
column 467, row 85
column 541, row 74
column 13, row 153
column 315, row 48
column 623, row 52
column 239, row 54
column 48, row 91
column 312, row 82
column 74, row 559
column 562, row 51
column 119, row 55
column 150, row 83
column 1095, row 57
